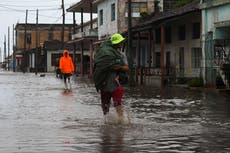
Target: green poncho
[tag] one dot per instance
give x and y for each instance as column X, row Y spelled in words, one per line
column 105, row 58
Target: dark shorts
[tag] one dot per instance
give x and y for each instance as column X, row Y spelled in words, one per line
column 66, row 75
column 106, row 98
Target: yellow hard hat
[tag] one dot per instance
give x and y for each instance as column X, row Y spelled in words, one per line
column 117, row 38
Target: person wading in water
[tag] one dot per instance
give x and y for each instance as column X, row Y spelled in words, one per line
column 109, row 64
column 67, row 68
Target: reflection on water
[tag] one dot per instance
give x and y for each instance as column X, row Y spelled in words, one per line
column 37, row 116
column 112, row 139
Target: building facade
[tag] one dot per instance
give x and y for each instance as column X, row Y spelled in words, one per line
column 216, row 41
column 85, row 35
column 168, row 46
column 30, row 53
column 113, row 15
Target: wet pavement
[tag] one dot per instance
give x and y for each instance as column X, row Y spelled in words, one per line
column 36, row 116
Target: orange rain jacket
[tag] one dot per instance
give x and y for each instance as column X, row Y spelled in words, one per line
column 66, row 63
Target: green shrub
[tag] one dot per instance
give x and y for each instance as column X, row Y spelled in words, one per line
column 182, row 2
column 196, row 82
column 182, row 80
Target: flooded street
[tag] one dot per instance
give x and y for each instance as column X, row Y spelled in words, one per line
column 36, row 116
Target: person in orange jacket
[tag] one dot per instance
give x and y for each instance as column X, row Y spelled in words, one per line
column 66, row 66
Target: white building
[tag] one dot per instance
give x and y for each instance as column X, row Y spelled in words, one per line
column 112, row 15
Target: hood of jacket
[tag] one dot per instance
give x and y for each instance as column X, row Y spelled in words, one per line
column 65, row 51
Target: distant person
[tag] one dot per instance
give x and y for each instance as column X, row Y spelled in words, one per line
column 57, row 69
column 67, row 68
column 109, row 63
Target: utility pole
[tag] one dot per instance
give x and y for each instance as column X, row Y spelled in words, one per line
column 162, row 56
column 74, row 45
column 24, row 54
column 36, row 53
column 63, row 24
column 14, row 63
column 131, row 74
column 0, row 55
column 4, row 59
column 8, row 59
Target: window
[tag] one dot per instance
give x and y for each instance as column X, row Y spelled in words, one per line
column 181, row 32
column 113, row 13
column 167, row 59
column 196, row 30
column 137, row 8
column 70, row 36
column 50, row 37
column 28, row 38
column 158, row 35
column 168, row 34
column 196, row 57
column 181, row 58
column 181, row 62
column 158, row 60
column 101, row 17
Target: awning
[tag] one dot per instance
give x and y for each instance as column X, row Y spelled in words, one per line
column 18, row 56
column 82, row 39
column 83, row 5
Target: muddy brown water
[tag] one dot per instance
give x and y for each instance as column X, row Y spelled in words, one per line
column 36, row 116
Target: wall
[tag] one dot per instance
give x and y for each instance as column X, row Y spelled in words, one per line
column 216, row 23
column 43, row 36
column 119, row 25
column 214, row 15
column 122, row 20
column 109, row 27
column 187, row 44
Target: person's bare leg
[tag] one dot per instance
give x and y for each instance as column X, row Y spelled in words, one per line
column 120, row 113
column 69, row 84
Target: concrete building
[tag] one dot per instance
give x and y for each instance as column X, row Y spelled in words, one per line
column 216, row 40
column 168, row 46
column 113, row 15
column 30, row 50
column 84, row 35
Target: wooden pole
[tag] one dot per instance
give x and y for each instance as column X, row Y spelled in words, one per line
column 24, row 65
column 74, row 44
column 130, row 51
column 36, row 53
column 63, row 24
column 14, row 54
column 82, row 46
column 162, row 56
column 4, row 50
column 8, row 59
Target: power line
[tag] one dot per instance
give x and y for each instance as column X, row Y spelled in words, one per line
column 41, row 15
column 19, row 10
column 28, row 5
column 32, row 1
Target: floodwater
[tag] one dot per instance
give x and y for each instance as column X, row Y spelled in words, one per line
column 36, row 116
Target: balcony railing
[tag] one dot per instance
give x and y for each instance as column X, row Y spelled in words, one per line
column 88, row 33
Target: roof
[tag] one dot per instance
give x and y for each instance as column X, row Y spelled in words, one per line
column 97, row 1
column 83, row 4
column 45, row 26
column 188, row 8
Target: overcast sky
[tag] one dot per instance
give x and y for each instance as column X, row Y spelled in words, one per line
column 14, row 11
